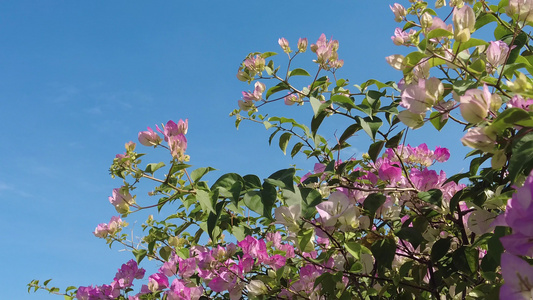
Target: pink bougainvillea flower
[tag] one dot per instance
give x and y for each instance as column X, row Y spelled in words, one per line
column 518, row 278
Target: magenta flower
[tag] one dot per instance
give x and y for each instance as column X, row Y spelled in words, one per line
column 518, row 101
column 518, row 278
column 179, row 290
column 157, row 282
column 441, row 154
column 127, row 273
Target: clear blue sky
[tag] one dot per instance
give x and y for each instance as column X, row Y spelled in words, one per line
column 78, row 79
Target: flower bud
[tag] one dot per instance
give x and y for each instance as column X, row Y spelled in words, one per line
column 464, row 22
column 426, row 20
column 130, row 146
column 399, row 12
column 302, row 44
column 495, row 102
column 284, row 44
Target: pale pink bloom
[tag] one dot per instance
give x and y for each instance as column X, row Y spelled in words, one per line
column 477, row 138
column 101, row 230
column 475, row 104
column 399, row 12
column 496, row 55
column 121, row 200
column 177, row 145
column 419, row 97
column 401, row 37
column 522, row 8
column 255, row 64
column 464, row 22
column 291, row 99
column 149, row 138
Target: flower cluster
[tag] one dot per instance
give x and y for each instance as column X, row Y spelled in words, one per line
column 174, row 135
column 123, row 280
column 114, row 226
column 326, row 52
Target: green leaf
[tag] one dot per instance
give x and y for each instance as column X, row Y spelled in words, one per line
column 375, row 149
column 459, row 47
column 213, row 230
column 304, row 239
column 205, row 200
column 373, row 202
column 252, row 200
column 165, row 252
column 466, row 259
column 384, row 251
column 395, row 140
column 178, row 167
column 277, row 88
column 296, row 148
column 199, row 173
column 349, row 132
column 354, row 249
column 298, row 72
column 283, row 179
column 433, row 196
column 343, row 101
column 316, row 121
column 521, row 161
column 251, row 182
column 370, row 125
column 268, row 54
column 484, row 19
column 284, row 141
column 269, row 195
column 151, row 168
column 439, row 249
column 439, row 32
column 411, row 235
column 509, row 118
column 437, row 121
column 139, row 254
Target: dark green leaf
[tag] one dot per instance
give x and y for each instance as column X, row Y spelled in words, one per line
column 384, row 251
column 283, row 179
column 316, row 121
column 509, row 118
column 373, row 202
column 395, row 140
column 411, row 235
column 439, row 249
column 139, row 254
column 349, row 132
column 375, row 149
column 521, row 161
column 251, row 182
column 370, row 125
column 296, row 148
column 277, row 88
column 433, row 196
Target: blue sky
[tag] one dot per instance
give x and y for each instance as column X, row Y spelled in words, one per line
column 79, row 79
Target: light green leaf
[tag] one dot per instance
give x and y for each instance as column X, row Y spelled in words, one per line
column 298, row 72
column 284, row 141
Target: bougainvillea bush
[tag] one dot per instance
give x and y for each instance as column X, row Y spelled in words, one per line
column 385, row 224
